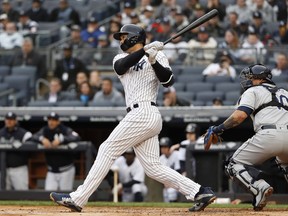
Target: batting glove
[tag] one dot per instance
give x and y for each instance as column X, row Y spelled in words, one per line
column 151, row 53
column 157, row 44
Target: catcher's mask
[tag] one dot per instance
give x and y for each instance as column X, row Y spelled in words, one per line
column 256, row 71
column 135, row 34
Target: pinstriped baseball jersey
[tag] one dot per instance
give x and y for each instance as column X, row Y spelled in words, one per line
column 258, row 95
column 138, row 129
column 140, row 82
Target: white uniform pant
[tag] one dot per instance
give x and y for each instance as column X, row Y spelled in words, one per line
column 139, row 129
column 263, row 145
column 129, row 195
column 17, row 178
column 60, row 181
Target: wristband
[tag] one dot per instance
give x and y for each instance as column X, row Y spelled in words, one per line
column 219, row 129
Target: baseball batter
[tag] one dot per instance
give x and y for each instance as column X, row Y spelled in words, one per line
column 140, row 75
column 268, row 107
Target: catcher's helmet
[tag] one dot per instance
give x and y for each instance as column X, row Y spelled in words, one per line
column 256, row 71
column 165, row 142
column 135, row 34
column 191, row 128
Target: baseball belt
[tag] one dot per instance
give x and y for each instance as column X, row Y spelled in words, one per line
column 128, row 109
column 264, row 127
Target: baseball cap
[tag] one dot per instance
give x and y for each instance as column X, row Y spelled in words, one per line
column 191, row 128
column 257, row 15
column 198, row 7
column 5, row 2
column 148, row 8
column 67, row 46
column 92, row 20
column 166, row 21
column 169, row 89
column 53, row 115
column 75, row 28
column 10, row 115
column 128, row 5
column 203, row 29
column 282, row 23
column 3, row 16
column 23, row 13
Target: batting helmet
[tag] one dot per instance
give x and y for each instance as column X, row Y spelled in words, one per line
column 191, row 128
column 256, row 71
column 135, row 34
column 165, row 142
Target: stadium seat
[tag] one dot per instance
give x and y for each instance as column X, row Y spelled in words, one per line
column 196, row 69
column 186, row 95
column 208, row 95
column 198, row 103
column 283, row 85
column 179, row 86
column 40, row 103
column 21, row 86
column 70, row 103
column 279, row 79
column 218, row 79
column 227, row 86
column 232, row 96
column 199, row 87
column 101, row 103
column 188, row 78
column 4, row 70
column 4, row 96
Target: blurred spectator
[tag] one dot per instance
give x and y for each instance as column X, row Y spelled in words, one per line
column 28, row 56
column 181, row 20
column 147, row 16
column 81, row 77
column 67, row 67
column 232, row 21
column 199, row 10
column 217, row 102
column 61, row 169
column 3, row 21
column 16, row 162
column 126, row 14
column 171, row 99
column 187, row 169
column 253, row 48
column 11, row 38
column 85, row 93
column 204, row 47
column 216, row 4
column 164, row 9
column 281, row 35
column 64, row 14
column 80, row 47
column 241, row 9
column 108, row 93
column 91, row 33
column 280, row 6
column 176, row 50
column 131, row 186
column 103, row 55
column 214, row 27
column 37, row 13
column 231, row 44
column 281, row 67
column 258, row 26
column 26, row 26
column 95, row 80
column 189, row 8
column 135, row 19
column 264, row 7
column 164, row 31
column 55, row 91
column 6, row 8
column 221, row 68
column 170, row 159
column 243, row 30
column 114, row 27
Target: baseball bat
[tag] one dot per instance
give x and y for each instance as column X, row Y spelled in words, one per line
column 194, row 24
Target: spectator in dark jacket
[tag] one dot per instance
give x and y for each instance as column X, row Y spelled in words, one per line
column 16, row 162
column 28, row 56
column 68, row 67
column 37, row 12
column 64, row 14
column 61, row 169
column 6, row 8
column 171, row 99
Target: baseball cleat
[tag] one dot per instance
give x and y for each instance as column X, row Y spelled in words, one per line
column 260, row 200
column 65, row 200
column 203, row 198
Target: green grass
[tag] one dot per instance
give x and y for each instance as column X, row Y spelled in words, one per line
column 144, row 204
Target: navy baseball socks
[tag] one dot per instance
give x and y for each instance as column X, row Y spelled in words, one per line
column 203, row 198
column 65, row 200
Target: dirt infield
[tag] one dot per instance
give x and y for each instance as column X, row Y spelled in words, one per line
column 133, row 211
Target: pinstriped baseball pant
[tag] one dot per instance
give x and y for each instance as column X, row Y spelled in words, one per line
column 139, row 129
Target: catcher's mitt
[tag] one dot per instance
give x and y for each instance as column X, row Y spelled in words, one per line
column 210, row 138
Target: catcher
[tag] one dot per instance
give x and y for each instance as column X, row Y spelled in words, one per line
column 267, row 105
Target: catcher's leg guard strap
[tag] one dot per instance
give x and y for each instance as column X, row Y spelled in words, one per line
column 283, row 169
column 246, row 175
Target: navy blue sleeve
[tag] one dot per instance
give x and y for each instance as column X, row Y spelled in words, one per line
column 245, row 109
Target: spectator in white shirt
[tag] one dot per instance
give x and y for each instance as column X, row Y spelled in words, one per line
column 281, row 65
column 11, row 38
